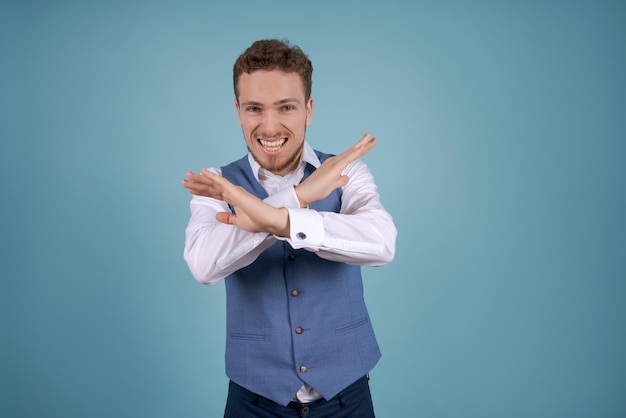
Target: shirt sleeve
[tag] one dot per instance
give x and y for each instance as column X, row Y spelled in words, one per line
column 214, row 250
column 363, row 233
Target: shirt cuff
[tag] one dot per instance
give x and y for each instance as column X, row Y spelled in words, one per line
column 306, row 228
column 284, row 198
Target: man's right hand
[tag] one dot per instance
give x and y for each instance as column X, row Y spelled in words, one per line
column 328, row 176
column 251, row 213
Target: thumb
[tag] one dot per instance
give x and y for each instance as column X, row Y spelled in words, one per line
column 342, row 181
column 226, row 218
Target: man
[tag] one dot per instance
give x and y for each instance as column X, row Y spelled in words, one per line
column 288, row 228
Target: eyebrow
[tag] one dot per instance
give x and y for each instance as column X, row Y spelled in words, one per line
column 282, row 101
column 288, row 100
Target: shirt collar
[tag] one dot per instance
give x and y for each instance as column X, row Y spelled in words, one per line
column 308, row 156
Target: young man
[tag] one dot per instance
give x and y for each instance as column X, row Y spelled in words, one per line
column 288, row 228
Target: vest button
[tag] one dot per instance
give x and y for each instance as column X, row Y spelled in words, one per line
column 303, row 369
column 299, row 330
column 295, row 292
column 291, row 256
column 305, row 410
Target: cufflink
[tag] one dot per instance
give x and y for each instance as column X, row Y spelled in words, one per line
column 301, row 235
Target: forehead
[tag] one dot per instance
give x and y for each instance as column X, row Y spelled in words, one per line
column 270, row 86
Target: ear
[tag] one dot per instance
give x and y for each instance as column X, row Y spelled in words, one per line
column 237, row 109
column 309, row 111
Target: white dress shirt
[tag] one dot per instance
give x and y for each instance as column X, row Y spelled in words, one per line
column 362, row 233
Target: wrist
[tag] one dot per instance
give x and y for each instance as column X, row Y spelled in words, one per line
column 301, row 201
column 281, row 227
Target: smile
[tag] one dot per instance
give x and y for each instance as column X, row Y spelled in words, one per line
column 272, row 145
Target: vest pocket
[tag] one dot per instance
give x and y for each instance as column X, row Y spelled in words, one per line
column 351, row 325
column 247, row 337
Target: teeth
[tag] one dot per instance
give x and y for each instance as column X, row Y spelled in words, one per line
column 272, row 145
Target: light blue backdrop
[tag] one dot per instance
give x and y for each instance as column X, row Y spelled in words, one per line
column 501, row 158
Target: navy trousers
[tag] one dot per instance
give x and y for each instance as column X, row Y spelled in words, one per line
column 353, row 401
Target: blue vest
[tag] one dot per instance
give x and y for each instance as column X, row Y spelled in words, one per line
column 293, row 317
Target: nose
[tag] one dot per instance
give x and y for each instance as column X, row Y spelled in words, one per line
column 270, row 123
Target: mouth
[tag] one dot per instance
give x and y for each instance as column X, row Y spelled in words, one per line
column 272, row 145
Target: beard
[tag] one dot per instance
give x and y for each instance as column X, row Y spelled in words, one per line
column 276, row 164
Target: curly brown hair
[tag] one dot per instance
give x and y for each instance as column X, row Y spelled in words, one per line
column 273, row 54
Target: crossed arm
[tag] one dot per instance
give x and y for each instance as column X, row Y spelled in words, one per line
column 254, row 215
column 219, row 242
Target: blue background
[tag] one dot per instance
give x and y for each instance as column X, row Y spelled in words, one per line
column 501, row 158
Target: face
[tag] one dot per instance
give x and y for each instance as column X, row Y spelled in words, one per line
column 273, row 114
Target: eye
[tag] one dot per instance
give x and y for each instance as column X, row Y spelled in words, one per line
column 253, row 109
column 287, row 108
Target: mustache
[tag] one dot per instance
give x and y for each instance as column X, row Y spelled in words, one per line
column 277, row 132
column 268, row 135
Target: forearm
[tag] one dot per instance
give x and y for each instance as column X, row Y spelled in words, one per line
column 366, row 238
column 362, row 233
column 213, row 250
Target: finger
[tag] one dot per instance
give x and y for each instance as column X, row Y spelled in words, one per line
column 193, row 177
column 187, row 184
column 215, row 180
column 205, row 176
column 194, row 189
column 210, row 175
column 191, row 185
column 201, row 189
column 365, row 144
column 361, row 148
column 364, row 139
column 226, row 218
